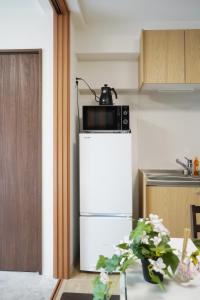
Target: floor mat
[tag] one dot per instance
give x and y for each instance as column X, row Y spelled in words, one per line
column 80, row 296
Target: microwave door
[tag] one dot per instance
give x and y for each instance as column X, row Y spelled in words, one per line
column 106, row 119
column 101, row 117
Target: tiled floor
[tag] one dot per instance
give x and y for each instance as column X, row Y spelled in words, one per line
column 25, row 285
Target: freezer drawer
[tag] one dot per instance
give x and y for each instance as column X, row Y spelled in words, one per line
column 98, row 235
column 105, row 173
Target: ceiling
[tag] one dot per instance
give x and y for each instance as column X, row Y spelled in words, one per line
column 127, row 11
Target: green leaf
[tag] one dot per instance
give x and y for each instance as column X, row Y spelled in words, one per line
column 101, row 263
column 136, row 248
column 123, row 246
column 170, row 259
column 108, row 264
column 100, row 290
column 155, row 278
column 194, row 255
column 112, row 263
column 161, row 249
column 126, row 264
column 145, row 252
column 135, row 235
column 168, row 273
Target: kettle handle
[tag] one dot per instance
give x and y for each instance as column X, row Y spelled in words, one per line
column 112, row 89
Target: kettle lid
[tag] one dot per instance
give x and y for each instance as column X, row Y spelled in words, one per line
column 105, row 86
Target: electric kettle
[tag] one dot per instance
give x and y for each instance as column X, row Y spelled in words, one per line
column 106, row 95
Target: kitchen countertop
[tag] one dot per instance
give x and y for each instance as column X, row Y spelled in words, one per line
column 156, row 177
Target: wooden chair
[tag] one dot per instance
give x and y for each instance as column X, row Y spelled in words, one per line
column 195, row 227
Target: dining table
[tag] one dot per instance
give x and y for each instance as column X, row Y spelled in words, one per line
column 138, row 289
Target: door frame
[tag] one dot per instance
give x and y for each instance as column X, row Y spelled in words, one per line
column 39, row 52
column 61, row 215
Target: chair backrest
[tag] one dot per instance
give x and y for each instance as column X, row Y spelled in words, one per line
column 195, row 227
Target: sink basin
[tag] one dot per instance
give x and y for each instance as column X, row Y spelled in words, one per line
column 172, row 180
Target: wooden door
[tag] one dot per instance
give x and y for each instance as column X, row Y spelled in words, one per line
column 163, row 56
column 20, row 161
column 192, row 55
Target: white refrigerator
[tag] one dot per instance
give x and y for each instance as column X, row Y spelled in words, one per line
column 105, row 194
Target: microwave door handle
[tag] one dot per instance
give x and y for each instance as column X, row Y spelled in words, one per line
column 114, row 92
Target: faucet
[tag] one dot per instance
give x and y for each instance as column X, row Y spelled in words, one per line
column 187, row 166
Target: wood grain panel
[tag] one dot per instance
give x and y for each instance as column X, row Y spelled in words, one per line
column 142, row 194
column 61, row 140
column 172, row 204
column 141, row 61
column 66, row 147
column 56, row 289
column 20, row 161
column 55, row 151
column 164, row 56
column 192, row 55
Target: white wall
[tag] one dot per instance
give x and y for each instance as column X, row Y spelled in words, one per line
column 168, row 129
column 118, row 37
column 28, row 25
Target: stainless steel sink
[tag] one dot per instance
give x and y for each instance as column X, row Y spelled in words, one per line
column 172, row 180
column 173, row 177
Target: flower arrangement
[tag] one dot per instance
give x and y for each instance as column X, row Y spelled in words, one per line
column 149, row 242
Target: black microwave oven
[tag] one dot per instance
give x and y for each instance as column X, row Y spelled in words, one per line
column 106, row 117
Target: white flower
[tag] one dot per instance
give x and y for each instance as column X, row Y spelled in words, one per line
column 122, row 261
column 160, row 228
column 157, row 225
column 144, row 238
column 154, row 218
column 156, row 240
column 130, row 253
column 158, row 265
column 120, row 251
column 141, row 220
column 104, row 278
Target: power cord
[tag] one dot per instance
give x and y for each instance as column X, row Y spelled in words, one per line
column 77, row 103
column 92, row 90
column 77, row 99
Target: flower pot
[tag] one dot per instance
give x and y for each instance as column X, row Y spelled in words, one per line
column 147, row 277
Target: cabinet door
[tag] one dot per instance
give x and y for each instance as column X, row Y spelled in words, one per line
column 192, row 55
column 172, row 204
column 141, row 62
column 163, row 56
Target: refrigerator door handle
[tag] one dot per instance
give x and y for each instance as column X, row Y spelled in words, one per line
column 102, row 215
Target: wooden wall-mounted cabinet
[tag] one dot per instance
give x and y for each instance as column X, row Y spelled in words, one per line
column 192, row 56
column 169, row 57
